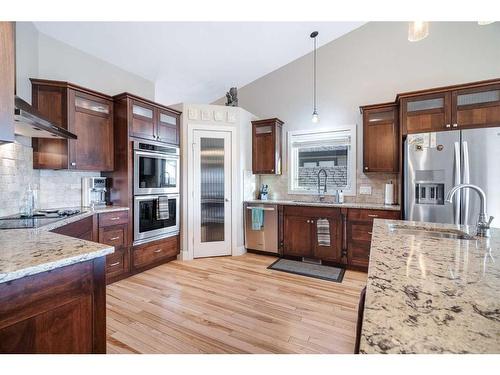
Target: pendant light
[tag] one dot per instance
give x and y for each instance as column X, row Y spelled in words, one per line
column 418, row 30
column 315, row 117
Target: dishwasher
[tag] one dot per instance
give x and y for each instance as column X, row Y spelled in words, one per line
column 265, row 239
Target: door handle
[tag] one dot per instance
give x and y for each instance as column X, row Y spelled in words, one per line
column 466, row 180
column 457, row 201
column 227, row 200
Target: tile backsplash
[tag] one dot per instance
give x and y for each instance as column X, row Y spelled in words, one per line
column 278, row 186
column 53, row 189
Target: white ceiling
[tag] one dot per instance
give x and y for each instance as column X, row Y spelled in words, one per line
column 195, row 62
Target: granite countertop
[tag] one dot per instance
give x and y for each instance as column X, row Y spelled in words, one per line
column 25, row 252
column 430, row 295
column 366, row 206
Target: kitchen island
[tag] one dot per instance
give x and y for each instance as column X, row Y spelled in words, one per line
column 52, row 292
column 427, row 294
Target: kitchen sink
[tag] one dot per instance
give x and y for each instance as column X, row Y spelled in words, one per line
column 453, row 234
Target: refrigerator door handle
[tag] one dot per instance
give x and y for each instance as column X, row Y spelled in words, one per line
column 458, row 170
column 466, row 180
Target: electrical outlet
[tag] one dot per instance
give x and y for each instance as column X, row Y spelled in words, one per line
column 365, row 190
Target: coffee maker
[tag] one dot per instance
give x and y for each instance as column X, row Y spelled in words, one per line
column 93, row 192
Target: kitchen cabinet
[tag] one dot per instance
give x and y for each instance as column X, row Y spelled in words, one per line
column 426, row 112
column 7, row 89
column 154, row 253
column 359, row 234
column 469, row 105
column 151, row 121
column 114, row 231
column 312, row 232
column 267, row 146
column 85, row 113
column 476, row 106
column 381, row 138
column 62, row 311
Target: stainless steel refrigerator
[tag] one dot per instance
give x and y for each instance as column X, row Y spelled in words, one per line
column 435, row 162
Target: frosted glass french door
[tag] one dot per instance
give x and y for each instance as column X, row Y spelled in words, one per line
column 212, row 193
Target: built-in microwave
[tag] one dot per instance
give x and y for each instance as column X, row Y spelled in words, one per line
column 155, row 217
column 156, row 168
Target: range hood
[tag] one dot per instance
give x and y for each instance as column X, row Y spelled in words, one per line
column 29, row 123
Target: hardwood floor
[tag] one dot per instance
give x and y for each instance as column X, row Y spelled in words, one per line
column 231, row 305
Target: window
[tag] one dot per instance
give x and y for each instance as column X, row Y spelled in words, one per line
column 333, row 150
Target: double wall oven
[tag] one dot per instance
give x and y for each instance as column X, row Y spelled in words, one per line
column 156, row 191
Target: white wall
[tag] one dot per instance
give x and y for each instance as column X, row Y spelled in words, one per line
column 371, row 65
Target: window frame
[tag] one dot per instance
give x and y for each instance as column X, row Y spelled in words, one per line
column 351, row 167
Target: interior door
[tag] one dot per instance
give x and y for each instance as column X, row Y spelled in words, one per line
column 481, row 153
column 212, row 193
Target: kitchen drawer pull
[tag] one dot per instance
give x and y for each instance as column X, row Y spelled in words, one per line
column 114, row 264
column 158, row 251
column 372, row 215
column 114, row 218
column 114, row 238
column 263, row 208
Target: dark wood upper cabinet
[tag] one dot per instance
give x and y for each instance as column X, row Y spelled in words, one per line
column 85, row 113
column 476, row 106
column 267, row 146
column 381, row 138
column 151, row 121
column 469, row 105
column 426, row 113
column 7, row 89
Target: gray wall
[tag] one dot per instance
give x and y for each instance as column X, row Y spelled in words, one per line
column 371, row 65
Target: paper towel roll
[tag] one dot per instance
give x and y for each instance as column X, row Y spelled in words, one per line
column 389, row 193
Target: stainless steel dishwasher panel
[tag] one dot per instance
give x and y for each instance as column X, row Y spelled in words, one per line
column 265, row 239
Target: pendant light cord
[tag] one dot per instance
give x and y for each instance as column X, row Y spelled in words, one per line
column 314, row 74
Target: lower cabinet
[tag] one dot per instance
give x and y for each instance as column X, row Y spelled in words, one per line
column 331, row 234
column 154, row 253
column 62, row 311
column 83, row 229
column 359, row 234
column 312, row 232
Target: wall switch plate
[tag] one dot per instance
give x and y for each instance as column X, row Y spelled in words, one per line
column 365, row 190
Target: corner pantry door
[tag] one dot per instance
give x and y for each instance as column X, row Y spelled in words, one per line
column 212, row 193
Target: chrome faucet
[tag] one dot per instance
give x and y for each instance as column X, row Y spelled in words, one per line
column 319, row 183
column 484, row 221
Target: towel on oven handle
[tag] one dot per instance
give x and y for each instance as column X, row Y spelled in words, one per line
column 162, row 211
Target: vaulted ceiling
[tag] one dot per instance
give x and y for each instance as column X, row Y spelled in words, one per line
column 195, row 61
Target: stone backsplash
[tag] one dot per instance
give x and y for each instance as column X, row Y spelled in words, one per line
column 53, row 189
column 278, row 187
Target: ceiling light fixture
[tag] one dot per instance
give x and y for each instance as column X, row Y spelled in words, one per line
column 315, row 117
column 418, row 30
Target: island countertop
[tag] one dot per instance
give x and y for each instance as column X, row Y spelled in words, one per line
column 25, row 252
column 429, row 295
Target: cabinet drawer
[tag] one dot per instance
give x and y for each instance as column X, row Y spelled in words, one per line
column 114, row 236
column 150, row 253
column 113, row 218
column 370, row 215
column 311, row 212
column 115, row 263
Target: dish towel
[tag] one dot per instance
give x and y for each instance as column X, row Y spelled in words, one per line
column 162, row 212
column 257, row 218
column 323, row 232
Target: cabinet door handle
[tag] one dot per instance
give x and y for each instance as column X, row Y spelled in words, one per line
column 448, row 125
column 370, row 233
column 114, row 238
column 455, row 125
column 158, row 251
column 114, row 264
column 73, row 164
column 372, row 215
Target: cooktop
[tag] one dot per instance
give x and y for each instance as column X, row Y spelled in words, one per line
column 38, row 219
